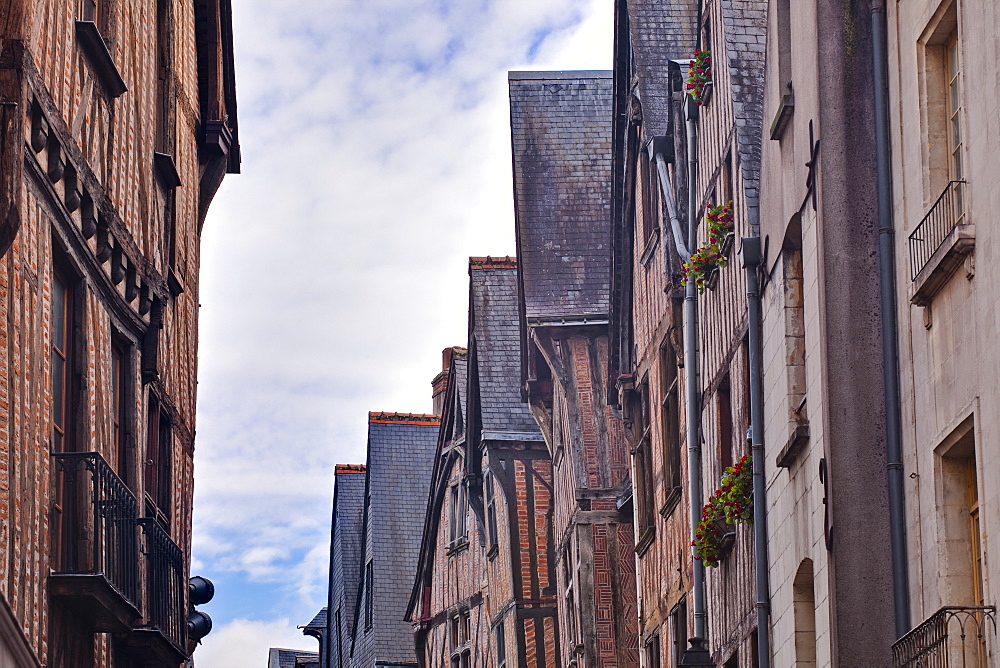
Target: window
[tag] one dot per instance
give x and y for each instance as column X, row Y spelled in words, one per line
column 678, row 633
column 804, row 614
column 491, row 515
column 458, row 532
column 501, row 646
column 340, row 640
column 953, row 88
column 164, row 76
column 62, row 361
column 941, row 101
column 89, row 10
column 369, row 598
column 650, row 197
column 726, row 185
column 570, row 568
column 653, row 651
column 120, row 414
column 643, row 466
column 461, row 635
column 725, row 406
column 671, row 426
column 158, row 461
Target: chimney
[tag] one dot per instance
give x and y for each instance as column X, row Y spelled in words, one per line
column 440, row 383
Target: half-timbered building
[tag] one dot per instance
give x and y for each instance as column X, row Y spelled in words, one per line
column 561, row 141
column 117, row 125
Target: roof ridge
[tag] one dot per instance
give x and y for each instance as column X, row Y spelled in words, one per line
column 350, row 468
column 393, row 417
column 490, row 262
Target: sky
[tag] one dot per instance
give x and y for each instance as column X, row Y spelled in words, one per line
column 376, row 159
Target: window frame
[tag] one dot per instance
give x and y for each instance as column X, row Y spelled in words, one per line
column 158, row 476
column 491, row 516
column 369, row 596
column 670, row 427
column 65, row 351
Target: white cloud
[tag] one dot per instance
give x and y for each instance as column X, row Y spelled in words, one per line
column 242, row 643
column 376, row 152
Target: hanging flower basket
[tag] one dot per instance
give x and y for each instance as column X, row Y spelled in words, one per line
column 731, row 504
column 700, row 76
column 704, row 263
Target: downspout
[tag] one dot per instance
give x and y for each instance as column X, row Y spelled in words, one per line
column 668, row 199
column 890, row 342
column 691, row 363
column 750, row 258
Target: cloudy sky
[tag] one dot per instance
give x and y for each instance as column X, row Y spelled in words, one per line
column 376, row 160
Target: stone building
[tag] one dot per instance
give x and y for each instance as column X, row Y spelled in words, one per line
column 117, row 125
column 943, row 101
column 561, row 141
column 824, row 396
column 401, row 450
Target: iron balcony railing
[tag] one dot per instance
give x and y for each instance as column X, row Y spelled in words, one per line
column 164, row 583
column 953, row 637
column 947, row 213
column 96, row 527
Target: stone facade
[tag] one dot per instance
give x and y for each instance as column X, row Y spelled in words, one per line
column 944, row 98
column 117, row 125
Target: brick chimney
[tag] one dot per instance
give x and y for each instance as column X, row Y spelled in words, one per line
column 439, row 386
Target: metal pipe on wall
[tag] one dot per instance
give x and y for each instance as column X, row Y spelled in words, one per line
column 691, row 364
column 890, row 341
column 750, row 258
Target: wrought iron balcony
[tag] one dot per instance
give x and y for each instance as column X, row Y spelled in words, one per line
column 96, row 557
column 160, row 638
column 939, row 244
column 952, row 637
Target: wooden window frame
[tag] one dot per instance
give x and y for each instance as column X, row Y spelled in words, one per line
column 491, row 517
column 670, row 425
column 63, row 351
column 644, row 491
column 158, row 462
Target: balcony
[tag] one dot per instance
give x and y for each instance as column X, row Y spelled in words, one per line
column 952, row 637
column 159, row 640
column 939, row 244
column 94, row 538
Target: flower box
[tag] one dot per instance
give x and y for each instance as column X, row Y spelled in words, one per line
column 699, row 78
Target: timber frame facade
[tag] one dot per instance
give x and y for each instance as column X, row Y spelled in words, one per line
column 117, row 127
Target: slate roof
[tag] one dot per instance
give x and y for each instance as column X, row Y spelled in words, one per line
column 291, row 658
column 745, row 31
column 345, row 548
column 660, row 31
column 318, row 622
column 561, row 143
column 401, row 450
column 495, row 350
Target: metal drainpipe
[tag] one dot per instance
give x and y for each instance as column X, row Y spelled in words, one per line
column 750, row 258
column 890, row 344
column 691, row 363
